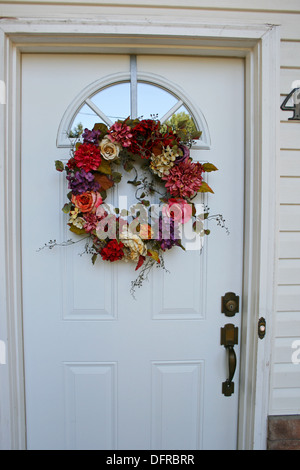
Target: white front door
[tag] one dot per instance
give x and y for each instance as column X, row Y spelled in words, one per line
column 102, row 370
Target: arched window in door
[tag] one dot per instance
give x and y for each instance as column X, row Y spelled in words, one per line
column 136, row 95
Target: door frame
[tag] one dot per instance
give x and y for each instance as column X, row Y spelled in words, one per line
column 259, row 45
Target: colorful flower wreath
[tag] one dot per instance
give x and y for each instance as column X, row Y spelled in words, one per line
column 162, row 153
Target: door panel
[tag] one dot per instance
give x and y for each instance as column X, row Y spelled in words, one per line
column 103, row 370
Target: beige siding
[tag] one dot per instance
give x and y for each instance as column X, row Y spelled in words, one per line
column 289, row 245
column 289, row 218
column 285, row 388
column 289, row 163
column 289, row 271
column 290, row 54
column 285, row 391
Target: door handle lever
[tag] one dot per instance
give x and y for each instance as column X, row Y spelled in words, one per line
column 229, row 337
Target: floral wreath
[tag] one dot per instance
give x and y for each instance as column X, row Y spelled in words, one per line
column 162, row 152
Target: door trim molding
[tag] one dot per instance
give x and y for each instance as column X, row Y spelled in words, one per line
column 259, row 45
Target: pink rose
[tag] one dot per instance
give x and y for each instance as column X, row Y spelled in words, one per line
column 178, row 209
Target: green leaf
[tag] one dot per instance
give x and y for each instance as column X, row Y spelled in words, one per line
column 146, row 203
column 198, row 226
column 181, row 133
column 103, row 194
column 182, row 123
column 128, row 166
column 204, row 188
column 102, row 128
column 194, row 210
column 154, row 254
column 116, row 176
column 67, row 207
column 196, row 135
column 207, row 167
column 99, row 126
column 78, row 231
column 59, row 166
column 134, row 182
column 145, row 165
column 94, row 257
column 105, row 167
column 181, row 246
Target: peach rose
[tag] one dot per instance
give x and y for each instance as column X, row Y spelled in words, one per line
column 87, row 202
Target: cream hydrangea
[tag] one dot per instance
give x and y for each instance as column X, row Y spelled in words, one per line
column 79, row 222
column 162, row 163
column 73, row 215
column 134, row 244
column 75, row 220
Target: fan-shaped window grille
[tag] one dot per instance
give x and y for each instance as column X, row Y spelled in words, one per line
column 118, row 96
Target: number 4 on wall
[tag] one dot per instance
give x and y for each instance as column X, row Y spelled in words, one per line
column 295, row 93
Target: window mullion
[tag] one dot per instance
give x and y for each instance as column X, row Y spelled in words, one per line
column 133, row 87
column 98, row 112
column 171, row 111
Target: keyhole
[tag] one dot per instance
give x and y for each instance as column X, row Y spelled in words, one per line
column 231, row 305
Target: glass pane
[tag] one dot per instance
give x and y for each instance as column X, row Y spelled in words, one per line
column 181, row 114
column 86, row 117
column 153, row 100
column 114, row 101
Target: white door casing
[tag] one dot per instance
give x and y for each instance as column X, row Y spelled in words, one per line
column 260, row 47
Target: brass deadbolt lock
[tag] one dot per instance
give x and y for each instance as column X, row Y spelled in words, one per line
column 230, row 304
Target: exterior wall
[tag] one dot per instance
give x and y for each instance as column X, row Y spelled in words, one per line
column 284, row 433
column 285, row 377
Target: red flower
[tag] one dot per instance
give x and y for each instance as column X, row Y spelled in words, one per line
column 144, row 136
column 147, row 138
column 71, row 164
column 87, row 156
column 121, row 133
column 170, row 138
column 184, row 179
column 112, row 251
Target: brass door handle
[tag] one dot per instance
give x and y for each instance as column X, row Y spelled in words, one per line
column 229, row 337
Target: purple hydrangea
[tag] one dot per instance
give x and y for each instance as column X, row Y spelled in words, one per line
column 91, row 137
column 81, row 182
column 168, row 233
